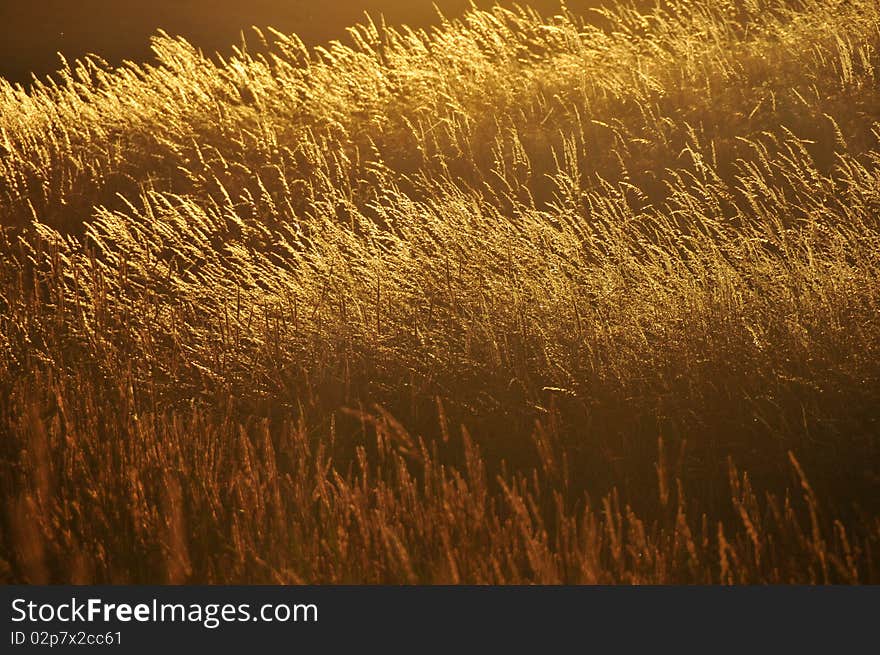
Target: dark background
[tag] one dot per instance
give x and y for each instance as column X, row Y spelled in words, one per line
column 33, row 31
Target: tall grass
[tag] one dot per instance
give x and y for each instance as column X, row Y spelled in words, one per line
column 521, row 299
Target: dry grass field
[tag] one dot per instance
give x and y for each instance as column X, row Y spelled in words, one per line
column 519, row 299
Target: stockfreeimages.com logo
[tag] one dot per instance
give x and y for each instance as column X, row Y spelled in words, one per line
column 209, row 615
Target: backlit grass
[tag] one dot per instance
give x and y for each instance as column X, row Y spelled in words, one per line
column 521, row 299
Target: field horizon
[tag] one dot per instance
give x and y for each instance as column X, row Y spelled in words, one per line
column 518, row 298
column 33, row 36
